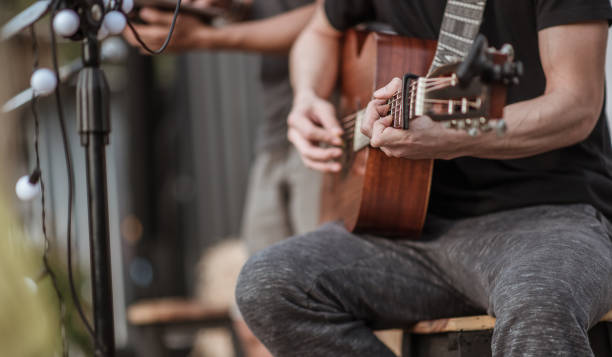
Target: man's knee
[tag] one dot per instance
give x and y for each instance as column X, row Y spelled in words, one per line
column 268, row 278
column 539, row 299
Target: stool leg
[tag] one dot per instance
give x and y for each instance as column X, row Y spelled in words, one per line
column 407, row 350
column 609, row 328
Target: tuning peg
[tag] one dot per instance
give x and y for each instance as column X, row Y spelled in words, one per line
column 473, row 132
column 486, row 127
column 501, row 127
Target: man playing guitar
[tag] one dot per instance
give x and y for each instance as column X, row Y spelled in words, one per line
column 518, row 226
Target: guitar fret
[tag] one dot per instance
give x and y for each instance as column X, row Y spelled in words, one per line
column 464, row 19
column 456, row 37
column 476, row 6
column 452, row 49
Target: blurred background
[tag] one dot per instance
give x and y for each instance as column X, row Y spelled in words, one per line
column 181, row 146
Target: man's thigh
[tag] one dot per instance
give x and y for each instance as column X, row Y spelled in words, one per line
column 375, row 280
column 544, row 255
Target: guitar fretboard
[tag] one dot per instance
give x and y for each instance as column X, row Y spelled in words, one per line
column 462, row 19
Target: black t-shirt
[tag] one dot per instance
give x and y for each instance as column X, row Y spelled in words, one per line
column 277, row 94
column 468, row 186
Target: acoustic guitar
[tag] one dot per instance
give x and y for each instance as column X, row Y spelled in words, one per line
column 388, row 196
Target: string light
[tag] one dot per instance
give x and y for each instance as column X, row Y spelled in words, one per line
column 127, row 6
column 27, row 190
column 115, row 22
column 66, row 23
column 43, row 81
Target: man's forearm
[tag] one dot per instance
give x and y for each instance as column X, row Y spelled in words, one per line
column 546, row 123
column 315, row 58
column 273, row 35
column 573, row 58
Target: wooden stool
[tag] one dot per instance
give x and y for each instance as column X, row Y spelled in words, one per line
column 471, row 337
column 161, row 318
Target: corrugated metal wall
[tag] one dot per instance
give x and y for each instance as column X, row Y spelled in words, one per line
column 224, row 108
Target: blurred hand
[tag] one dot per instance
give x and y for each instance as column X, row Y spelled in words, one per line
column 204, row 3
column 425, row 139
column 219, row 3
column 313, row 122
column 190, row 33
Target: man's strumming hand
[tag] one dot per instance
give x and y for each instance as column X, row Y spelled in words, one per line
column 312, row 126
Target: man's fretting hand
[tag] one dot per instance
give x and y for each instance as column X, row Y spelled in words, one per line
column 425, row 139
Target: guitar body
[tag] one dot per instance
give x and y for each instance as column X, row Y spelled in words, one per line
column 375, row 193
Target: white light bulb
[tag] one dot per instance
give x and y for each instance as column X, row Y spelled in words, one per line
column 25, row 190
column 31, row 284
column 102, row 33
column 127, row 6
column 66, row 23
column 43, row 81
column 115, row 22
column 114, row 50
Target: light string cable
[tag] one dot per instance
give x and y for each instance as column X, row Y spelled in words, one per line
column 168, row 38
column 70, row 172
column 48, row 271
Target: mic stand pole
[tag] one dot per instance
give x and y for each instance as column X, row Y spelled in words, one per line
column 93, row 116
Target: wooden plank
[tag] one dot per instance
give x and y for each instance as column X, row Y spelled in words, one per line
column 170, row 310
column 472, row 323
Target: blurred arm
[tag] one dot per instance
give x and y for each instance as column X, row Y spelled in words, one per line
column 275, row 34
column 314, row 68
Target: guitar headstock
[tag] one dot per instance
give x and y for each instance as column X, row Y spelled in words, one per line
column 469, row 96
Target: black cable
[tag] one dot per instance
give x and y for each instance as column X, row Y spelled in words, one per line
column 70, row 172
column 168, row 38
column 38, row 172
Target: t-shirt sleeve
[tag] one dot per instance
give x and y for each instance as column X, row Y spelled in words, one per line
column 344, row 14
column 563, row 12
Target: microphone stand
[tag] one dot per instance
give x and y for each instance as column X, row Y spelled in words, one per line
column 93, row 118
column 93, row 124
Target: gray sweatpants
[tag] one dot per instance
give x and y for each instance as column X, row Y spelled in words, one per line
column 545, row 272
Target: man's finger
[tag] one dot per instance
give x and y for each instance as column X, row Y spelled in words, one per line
column 154, row 16
column 389, row 90
column 376, row 108
column 377, row 139
column 312, row 132
column 326, row 114
column 386, row 151
column 310, row 151
column 322, row 166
